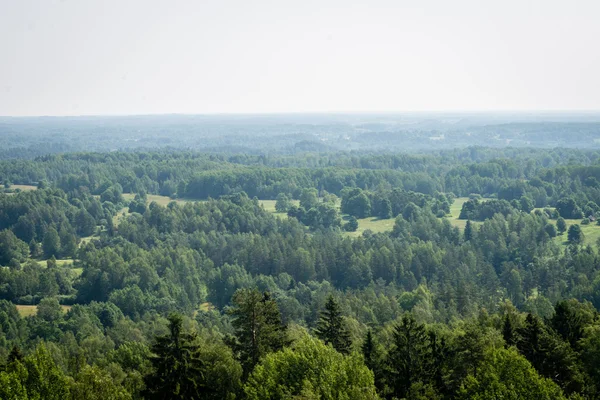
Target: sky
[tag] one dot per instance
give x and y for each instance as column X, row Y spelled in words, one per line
column 107, row 57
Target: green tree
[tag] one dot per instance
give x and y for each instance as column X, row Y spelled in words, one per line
column 409, row 358
column 549, row 355
column 45, row 380
column 526, row 204
column 509, row 333
column 351, row 225
column 551, row 230
column 357, row 204
column 561, row 225
column 575, row 234
column 11, row 248
column 369, row 351
column 258, row 327
column 282, row 203
column 51, row 243
column 331, row 327
column 310, row 370
column 94, row 383
column 504, row 374
column 468, row 234
column 178, row 373
column 385, row 209
column 309, row 198
column 571, row 318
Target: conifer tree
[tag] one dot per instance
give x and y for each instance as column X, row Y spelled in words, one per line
column 258, row 327
column 408, row 360
column 368, row 350
column 331, row 328
column 508, row 332
column 178, row 371
column 468, row 231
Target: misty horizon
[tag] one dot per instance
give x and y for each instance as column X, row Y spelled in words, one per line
column 66, row 58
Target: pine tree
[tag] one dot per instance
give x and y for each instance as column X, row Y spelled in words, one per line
column 178, row 371
column 331, row 328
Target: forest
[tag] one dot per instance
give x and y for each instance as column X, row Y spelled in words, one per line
column 179, row 272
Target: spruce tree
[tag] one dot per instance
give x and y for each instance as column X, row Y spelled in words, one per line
column 178, row 371
column 468, row 231
column 508, row 332
column 331, row 328
column 408, row 361
column 368, row 350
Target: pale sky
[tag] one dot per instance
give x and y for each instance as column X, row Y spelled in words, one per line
column 76, row 57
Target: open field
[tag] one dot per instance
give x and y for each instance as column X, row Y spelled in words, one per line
column 160, row 200
column 269, row 205
column 23, row 187
column 455, row 209
column 591, row 232
column 26, row 311
column 60, row 262
column 373, row 224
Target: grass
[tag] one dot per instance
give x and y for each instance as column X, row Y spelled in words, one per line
column 27, row 311
column 87, row 239
column 160, row 200
column 269, row 206
column 59, row 263
column 591, row 232
column 455, row 210
column 23, row 187
column 373, row 224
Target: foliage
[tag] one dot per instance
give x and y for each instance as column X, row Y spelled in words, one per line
column 310, row 370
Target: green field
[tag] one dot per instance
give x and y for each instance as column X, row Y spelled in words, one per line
column 60, row 262
column 23, row 187
column 591, row 232
column 27, row 311
column 160, row 200
column 455, row 209
column 269, row 205
column 373, row 224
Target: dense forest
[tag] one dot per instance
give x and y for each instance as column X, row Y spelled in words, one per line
column 182, row 273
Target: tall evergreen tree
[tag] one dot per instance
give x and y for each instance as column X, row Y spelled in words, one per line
column 178, row 371
column 508, row 332
column 408, row 360
column 258, row 327
column 331, row 328
column 468, row 231
column 550, row 356
column 368, row 350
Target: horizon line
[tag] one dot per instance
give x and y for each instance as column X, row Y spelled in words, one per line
column 284, row 113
